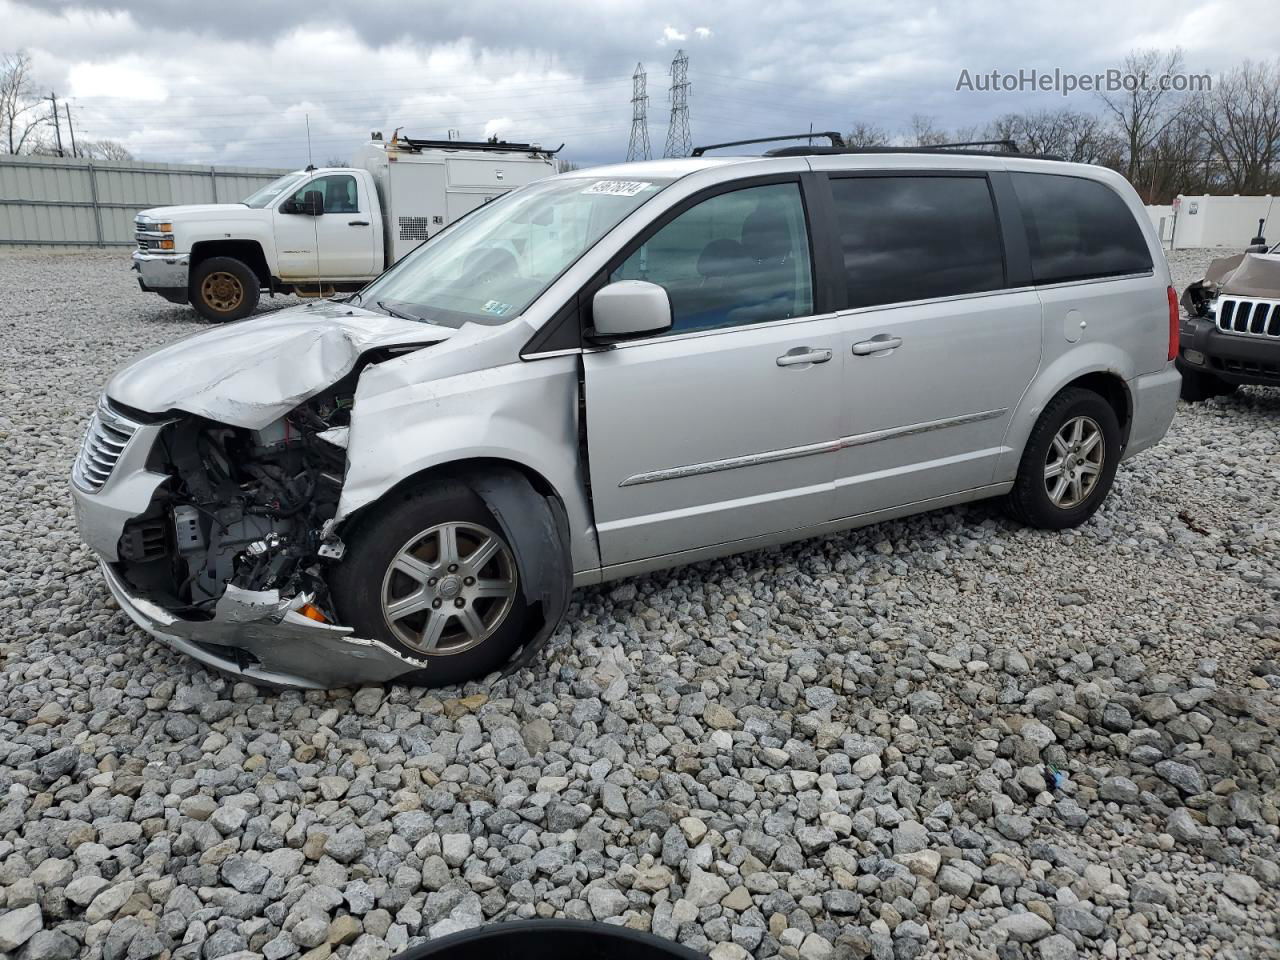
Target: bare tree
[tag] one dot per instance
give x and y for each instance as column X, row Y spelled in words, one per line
column 866, row 135
column 105, row 150
column 1240, row 118
column 1074, row 136
column 22, row 112
column 1146, row 106
column 923, row 132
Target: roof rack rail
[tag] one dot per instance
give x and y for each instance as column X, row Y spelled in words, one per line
column 836, row 141
column 494, row 145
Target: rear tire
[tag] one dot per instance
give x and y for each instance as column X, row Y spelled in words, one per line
column 1069, row 462
column 461, row 618
column 224, row 289
column 1197, row 386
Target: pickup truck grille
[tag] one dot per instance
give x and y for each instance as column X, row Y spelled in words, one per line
column 1250, row 316
column 108, row 434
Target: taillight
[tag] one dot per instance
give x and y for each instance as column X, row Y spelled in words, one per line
column 1175, row 317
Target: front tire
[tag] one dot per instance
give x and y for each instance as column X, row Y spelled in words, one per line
column 432, row 576
column 1069, row 462
column 224, row 289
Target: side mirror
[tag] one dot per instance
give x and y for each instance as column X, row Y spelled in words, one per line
column 312, row 203
column 628, row 308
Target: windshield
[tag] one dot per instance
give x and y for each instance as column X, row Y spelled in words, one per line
column 275, row 188
column 488, row 267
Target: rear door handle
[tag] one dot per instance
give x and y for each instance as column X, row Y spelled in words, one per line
column 357, row 223
column 877, row 344
column 804, row 355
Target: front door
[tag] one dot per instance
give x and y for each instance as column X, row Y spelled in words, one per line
column 939, row 346
column 339, row 244
column 720, row 429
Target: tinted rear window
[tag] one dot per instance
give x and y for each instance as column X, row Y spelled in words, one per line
column 914, row 238
column 1078, row 229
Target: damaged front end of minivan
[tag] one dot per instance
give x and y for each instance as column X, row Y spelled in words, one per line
column 215, row 517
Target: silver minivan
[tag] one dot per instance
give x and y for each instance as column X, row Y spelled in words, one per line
column 622, row 369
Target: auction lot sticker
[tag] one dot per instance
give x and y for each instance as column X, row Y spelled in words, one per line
column 618, row 188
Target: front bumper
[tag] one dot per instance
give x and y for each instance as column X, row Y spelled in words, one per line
column 257, row 636
column 1233, row 357
column 162, row 271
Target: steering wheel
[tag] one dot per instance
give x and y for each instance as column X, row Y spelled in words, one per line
column 488, row 265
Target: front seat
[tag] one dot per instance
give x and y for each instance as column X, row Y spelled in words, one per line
column 770, row 292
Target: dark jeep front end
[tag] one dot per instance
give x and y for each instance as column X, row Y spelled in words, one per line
column 1230, row 332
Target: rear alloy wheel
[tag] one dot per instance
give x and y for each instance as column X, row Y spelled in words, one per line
column 1074, row 463
column 224, row 289
column 449, row 588
column 1069, row 462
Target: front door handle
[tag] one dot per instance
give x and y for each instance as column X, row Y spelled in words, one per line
column 804, row 355
column 357, row 223
column 877, row 344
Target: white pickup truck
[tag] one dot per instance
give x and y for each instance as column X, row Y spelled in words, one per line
column 316, row 232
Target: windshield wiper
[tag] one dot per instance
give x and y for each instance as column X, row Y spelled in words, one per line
column 399, row 314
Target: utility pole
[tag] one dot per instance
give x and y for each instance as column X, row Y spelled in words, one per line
column 57, row 126
column 71, row 130
column 679, row 140
column 638, row 147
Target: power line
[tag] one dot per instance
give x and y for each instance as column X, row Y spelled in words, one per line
column 679, row 140
column 638, row 147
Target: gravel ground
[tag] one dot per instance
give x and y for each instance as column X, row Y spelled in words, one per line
column 945, row 735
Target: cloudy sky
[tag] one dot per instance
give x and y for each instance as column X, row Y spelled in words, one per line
column 234, row 81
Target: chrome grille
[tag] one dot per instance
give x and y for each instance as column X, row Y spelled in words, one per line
column 108, row 434
column 1249, row 315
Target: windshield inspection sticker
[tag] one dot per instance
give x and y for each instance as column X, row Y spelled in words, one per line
column 496, row 307
column 618, row 188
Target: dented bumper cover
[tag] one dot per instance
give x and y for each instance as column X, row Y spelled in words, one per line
column 283, row 647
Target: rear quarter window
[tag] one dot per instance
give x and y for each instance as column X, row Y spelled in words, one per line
column 1078, row 229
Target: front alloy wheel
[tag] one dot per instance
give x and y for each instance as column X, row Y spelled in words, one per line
column 449, row 588
column 1074, row 463
column 448, row 595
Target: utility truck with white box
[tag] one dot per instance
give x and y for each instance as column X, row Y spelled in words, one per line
column 320, row 231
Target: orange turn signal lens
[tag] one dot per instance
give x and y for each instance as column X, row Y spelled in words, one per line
column 166, row 243
column 312, row 612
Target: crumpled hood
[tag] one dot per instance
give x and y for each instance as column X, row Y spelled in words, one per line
column 252, row 372
column 1256, row 275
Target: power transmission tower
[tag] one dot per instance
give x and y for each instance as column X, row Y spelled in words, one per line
column 638, row 147
column 679, row 140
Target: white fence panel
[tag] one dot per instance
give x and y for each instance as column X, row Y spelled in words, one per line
column 63, row 201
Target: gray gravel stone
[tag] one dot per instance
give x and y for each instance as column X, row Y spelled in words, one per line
column 833, row 749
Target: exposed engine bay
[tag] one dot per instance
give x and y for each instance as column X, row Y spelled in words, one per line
column 243, row 508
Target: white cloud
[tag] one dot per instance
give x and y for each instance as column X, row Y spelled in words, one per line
column 497, row 127
column 178, row 88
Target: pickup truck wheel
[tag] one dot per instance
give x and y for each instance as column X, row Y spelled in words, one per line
column 224, row 289
column 432, row 576
column 1069, row 462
